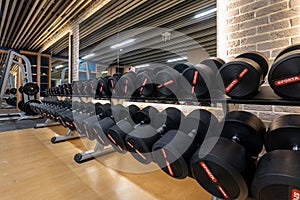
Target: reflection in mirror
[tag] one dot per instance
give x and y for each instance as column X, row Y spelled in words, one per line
column 170, row 33
column 59, row 52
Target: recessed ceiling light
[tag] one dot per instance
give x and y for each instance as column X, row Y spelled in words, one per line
column 177, row 59
column 123, row 43
column 88, row 56
column 207, row 12
column 142, row 66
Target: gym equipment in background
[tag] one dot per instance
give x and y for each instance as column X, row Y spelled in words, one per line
column 29, row 89
column 278, row 174
column 227, row 170
column 244, row 75
column 284, row 76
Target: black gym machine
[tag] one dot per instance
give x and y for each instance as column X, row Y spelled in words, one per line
column 29, row 90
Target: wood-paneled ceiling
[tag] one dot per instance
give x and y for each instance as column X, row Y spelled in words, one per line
column 121, row 16
column 28, row 24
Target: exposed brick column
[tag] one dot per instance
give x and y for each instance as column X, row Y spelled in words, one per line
column 75, row 51
column 267, row 26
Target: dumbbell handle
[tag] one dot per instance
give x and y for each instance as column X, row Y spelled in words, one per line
column 162, row 129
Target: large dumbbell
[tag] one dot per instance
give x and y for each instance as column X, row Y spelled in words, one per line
column 169, row 80
column 102, row 87
column 64, row 117
column 141, row 140
column 101, row 112
column 78, row 117
column 225, row 166
column 126, row 85
column 278, row 174
column 243, row 76
column 200, row 78
column 174, row 150
column 284, row 76
column 112, row 82
column 145, row 80
column 131, row 117
column 100, row 128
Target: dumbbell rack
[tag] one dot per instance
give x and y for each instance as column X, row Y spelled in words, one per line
column 266, row 96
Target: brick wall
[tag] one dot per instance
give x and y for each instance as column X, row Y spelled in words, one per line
column 267, row 26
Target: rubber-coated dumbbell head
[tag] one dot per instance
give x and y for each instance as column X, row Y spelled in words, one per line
column 102, row 87
column 168, row 82
column 260, row 59
column 141, row 140
column 111, row 84
column 243, row 76
column 277, row 176
column 129, row 114
column 246, row 129
column 100, row 129
column 118, row 133
column 225, row 166
column 126, row 84
column 145, row 81
column 174, row 150
column 283, row 133
column 199, row 77
column 226, row 171
column 284, row 76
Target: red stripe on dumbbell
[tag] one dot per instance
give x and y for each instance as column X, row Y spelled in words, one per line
column 243, row 73
column 231, row 85
column 165, row 84
column 223, row 192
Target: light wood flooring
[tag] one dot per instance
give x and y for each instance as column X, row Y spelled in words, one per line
column 31, row 167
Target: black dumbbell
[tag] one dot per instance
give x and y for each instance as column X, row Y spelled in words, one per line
column 101, row 112
column 145, row 80
column 243, row 76
column 284, row 76
column 102, row 87
column 169, row 81
column 199, row 78
column 77, row 118
column 112, row 82
column 278, row 174
column 126, row 85
column 130, row 117
column 141, row 140
column 174, row 150
column 100, row 128
column 225, row 166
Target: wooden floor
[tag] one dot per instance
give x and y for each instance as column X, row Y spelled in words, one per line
column 31, row 167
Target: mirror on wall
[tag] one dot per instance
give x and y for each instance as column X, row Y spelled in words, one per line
column 127, row 39
column 59, row 52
